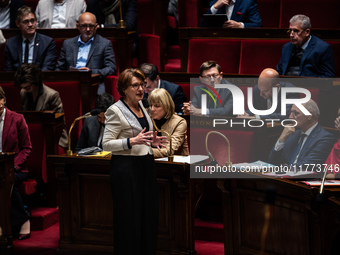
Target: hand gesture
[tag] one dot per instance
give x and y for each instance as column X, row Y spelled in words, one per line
column 337, row 123
column 159, row 141
column 232, row 24
column 287, row 131
column 221, row 3
column 142, row 138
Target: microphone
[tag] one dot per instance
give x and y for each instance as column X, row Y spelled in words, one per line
column 212, row 159
column 320, row 196
column 86, row 115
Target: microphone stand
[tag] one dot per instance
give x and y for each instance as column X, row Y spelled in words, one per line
column 121, row 21
column 228, row 163
column 89, row 114
column 319, row 197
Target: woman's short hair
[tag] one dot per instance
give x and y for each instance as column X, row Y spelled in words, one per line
column 125, row 79
column 28, row 73
column 161, row 96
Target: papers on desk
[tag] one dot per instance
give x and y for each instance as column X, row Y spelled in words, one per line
column 192, row 159
column 327, row 183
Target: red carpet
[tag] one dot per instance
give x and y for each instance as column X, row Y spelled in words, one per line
column 43, row 242
column 209, row 248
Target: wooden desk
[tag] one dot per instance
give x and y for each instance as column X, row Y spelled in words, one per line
column 299, row 225
column 85, row 206
column 6, row 186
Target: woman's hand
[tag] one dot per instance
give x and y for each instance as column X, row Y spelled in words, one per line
column 159, row 141
column 142, row 138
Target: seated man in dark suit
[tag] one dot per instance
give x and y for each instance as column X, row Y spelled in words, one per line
column 153, row 81
column 210, row 76
column 29, row 46
column 263, row 98
column 8, row 12
column 88, row 51
column 305, row 54
column 93, row 127
column 36, row 96
column 306, row 143
column 240, row 13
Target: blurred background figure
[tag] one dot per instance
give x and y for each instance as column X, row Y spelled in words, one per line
column 8, row 10
column 59, row 13
column 93, row 127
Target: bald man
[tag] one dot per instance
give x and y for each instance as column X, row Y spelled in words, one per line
column 88, row 51
column 263, row 95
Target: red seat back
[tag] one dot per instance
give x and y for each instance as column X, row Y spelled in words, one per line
column 184, row 18
column 150, row 49
column 12, row 96
column 226, row 52
column 71, row 97
column 145, row 18
column 257, row 55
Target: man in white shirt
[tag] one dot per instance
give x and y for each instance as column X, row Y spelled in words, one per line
column 240, row 13
column 8, row 10
column 59, row 13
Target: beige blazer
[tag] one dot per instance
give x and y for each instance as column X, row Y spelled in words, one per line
column 44, row 12
column 121, row 124
column 177, row 127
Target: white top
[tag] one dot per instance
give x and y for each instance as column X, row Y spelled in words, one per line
column 59, row 15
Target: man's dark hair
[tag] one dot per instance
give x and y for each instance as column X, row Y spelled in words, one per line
column 104, row 101
column 24, row 10
column 149, row 70
column 209, row 64
column 28, row 73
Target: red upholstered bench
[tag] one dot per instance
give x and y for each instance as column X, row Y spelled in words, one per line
column 111, row 86
column 226, row 52
column 12, row 96
column 258, row 54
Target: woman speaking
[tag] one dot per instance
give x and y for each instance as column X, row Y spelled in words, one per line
column 129, row 135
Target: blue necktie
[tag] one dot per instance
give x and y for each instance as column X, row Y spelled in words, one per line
column 298, row 148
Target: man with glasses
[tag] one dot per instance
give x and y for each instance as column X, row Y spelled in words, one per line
column 36, row 96
column 153, row 81
column 89, row 51
column 29, row 46
column 303, row 143
column 305, row 54
column 210, row 75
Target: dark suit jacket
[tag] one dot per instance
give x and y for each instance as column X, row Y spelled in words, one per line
column 44, row 54
column 315, row 150
column 49, row 100
column 13, row 7
column 89, row 134
column 129, row 13
column 261, row 104
column 226, row 109
column 245, row 11
column 16, row 138
column 101, row 59
column 317, row 60
column 175, row 91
